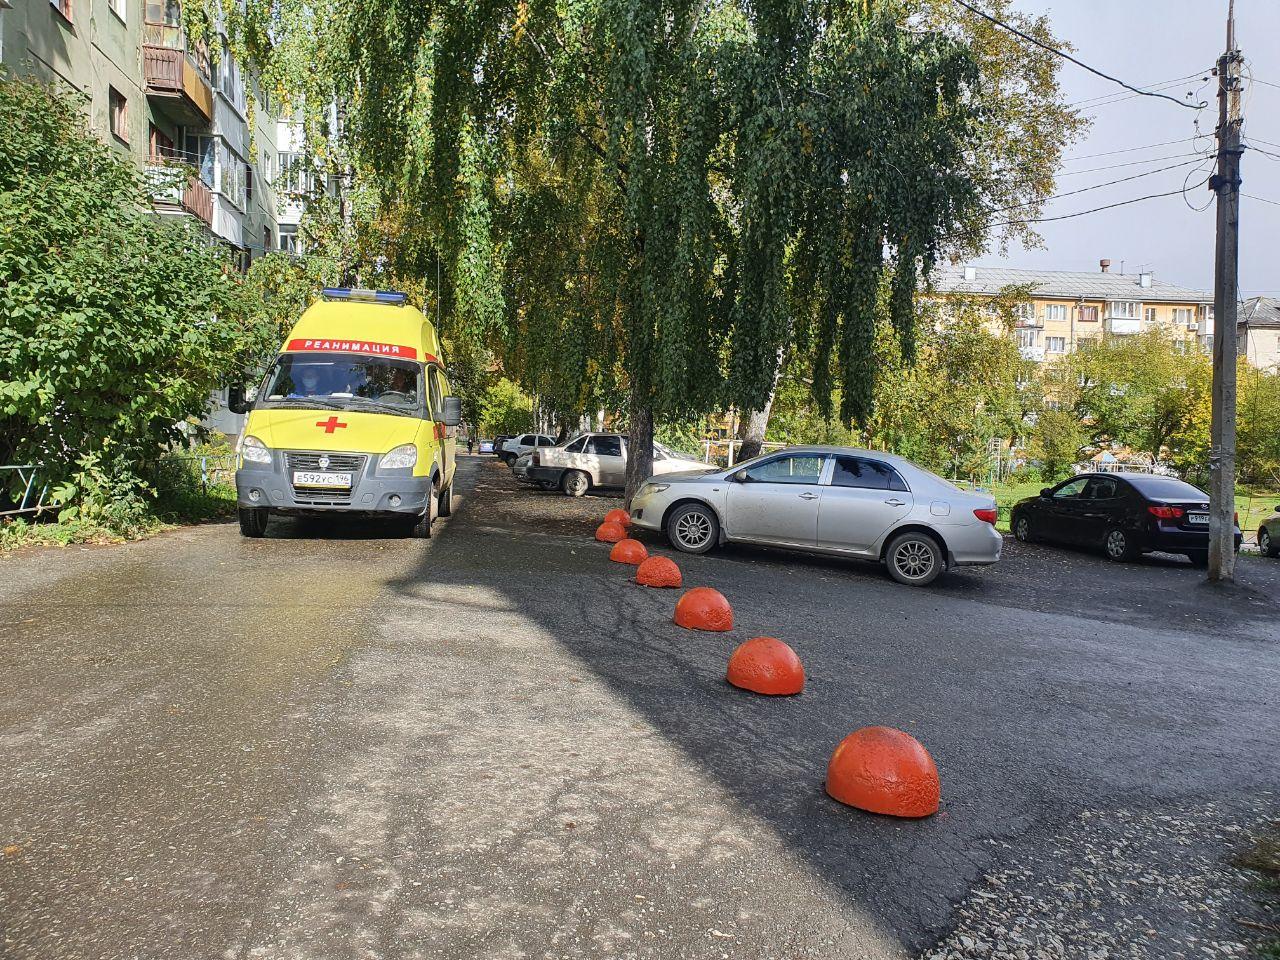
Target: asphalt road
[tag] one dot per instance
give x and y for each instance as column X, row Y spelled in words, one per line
column 341, row 744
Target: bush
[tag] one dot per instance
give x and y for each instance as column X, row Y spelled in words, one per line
column 118, row 323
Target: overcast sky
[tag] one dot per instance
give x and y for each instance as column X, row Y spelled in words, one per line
column 1150, row 43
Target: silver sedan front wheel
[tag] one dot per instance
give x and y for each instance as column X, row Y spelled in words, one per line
column 693, row 528
column 915, row 559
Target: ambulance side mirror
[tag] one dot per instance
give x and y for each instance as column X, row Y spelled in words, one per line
column 451, row 411
column 237, row 402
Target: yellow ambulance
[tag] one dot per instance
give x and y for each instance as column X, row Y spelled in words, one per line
column 354, row 416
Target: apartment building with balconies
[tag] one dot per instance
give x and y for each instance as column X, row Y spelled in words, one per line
column 178, row 109
column 1066, row 311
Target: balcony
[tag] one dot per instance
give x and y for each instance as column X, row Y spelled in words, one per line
column 175, row 188
column 1124, row 326
column 1035, row 353
column 176, row 77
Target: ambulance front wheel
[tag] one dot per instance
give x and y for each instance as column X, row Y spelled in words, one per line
column 253, row 521
column 422, row 524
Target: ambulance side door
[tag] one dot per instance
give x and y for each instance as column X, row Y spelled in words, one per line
column 442, row 434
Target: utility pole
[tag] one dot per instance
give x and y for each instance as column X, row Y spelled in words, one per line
column 1226, row 184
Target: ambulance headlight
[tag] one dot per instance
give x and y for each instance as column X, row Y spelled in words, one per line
column 403, row 456
column 254, row 450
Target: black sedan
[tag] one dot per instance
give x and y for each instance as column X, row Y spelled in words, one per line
column 1125, row 514
column 1269, row 535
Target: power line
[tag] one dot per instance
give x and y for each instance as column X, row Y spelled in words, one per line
column 1111, row 98
column 1099, row 186
column 1132, row 163
column 1066, row 56
column 1265, row 83
column 1267, row 142
column 1081, row 213
column 1112, row 153
column 1274, row 203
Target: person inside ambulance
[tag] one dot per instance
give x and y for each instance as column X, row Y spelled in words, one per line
column 306, row 379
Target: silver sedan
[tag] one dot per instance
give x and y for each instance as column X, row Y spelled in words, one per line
column 831, row 500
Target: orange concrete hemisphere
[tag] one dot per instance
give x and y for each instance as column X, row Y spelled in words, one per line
column 704, row 609
column 659, row 572
column 628, row 551
column 883, row 770
column 611, row 532
column 618, row 515
column 766, row 665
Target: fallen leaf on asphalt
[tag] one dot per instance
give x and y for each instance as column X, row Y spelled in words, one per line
column 12, row 850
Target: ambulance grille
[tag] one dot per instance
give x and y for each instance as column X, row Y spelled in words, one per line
column 338, row 462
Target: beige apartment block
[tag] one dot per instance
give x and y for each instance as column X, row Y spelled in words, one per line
column 1068, row 310
column 1259, row 325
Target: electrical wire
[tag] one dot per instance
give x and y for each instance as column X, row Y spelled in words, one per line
column 1112, row 153
column 1266, row 153
column 1131, row 163
column 1081, row 213
column 1066, row 56
column 1121, row 97
column 1274, row 203
column 1099, row 186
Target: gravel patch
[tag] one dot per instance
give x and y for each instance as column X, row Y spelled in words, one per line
column 1122, row 885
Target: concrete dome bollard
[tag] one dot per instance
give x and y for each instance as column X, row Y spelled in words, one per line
column 628, row 551
column 611, row 532
column 618, row 515
column 659, row 572
column 765, row 665
column 704, row 609
column 883, row 770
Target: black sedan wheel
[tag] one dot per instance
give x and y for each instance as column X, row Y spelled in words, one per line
column 693, row 528
column 1022, row 528
column 1119, row 546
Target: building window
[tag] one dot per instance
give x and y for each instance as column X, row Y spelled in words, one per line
column 1127, row 309
column 1149, row 314
column 266, row 240
column 62, row 6
column 1088, row 314
column 1055, row 344
column 1086, row 343
column 1027, row 338
column 160, row 146
column 1055, row 311
column 248, row 183
column 1025, row 313
column 1180, row 346
column 118, row 8
column 289, row 239
column 118, row 107
column 1182, row 315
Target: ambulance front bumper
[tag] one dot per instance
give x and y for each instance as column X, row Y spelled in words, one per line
column 372, row 491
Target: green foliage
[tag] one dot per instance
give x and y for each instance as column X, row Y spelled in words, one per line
column 1258, row 427
column 504, row 409
column 118, row 324
column 1056, row 442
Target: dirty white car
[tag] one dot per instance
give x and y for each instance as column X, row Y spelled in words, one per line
column 593, row 460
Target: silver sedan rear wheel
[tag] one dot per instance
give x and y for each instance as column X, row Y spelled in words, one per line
column 915, row 559
column 693, row 528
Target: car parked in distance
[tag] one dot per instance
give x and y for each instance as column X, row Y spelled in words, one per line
column 1269, row 535
column 593, row 460
column 486, row 446
column 830, row 500
column 1124, row 514
column 515, row 447
column 498, row 441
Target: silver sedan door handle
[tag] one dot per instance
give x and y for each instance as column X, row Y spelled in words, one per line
column 896, row 503
column 808, row 496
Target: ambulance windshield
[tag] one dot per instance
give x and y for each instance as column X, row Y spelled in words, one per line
column 344, row 381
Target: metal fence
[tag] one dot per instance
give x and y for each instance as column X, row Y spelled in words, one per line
column 212, row 470
column 31, row 499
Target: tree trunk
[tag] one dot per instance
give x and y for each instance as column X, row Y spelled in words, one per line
column 639, row 449
column 751, row 430
column 753, row 424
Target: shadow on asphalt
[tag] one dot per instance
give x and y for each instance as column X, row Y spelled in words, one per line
column 1030, row 718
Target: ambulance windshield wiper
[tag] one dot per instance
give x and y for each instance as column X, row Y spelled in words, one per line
column 305, row 403
column 388, row 407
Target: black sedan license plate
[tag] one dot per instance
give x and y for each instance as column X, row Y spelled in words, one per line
column 1198, row 518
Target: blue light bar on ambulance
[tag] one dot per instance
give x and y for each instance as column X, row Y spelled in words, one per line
column 366, row 296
